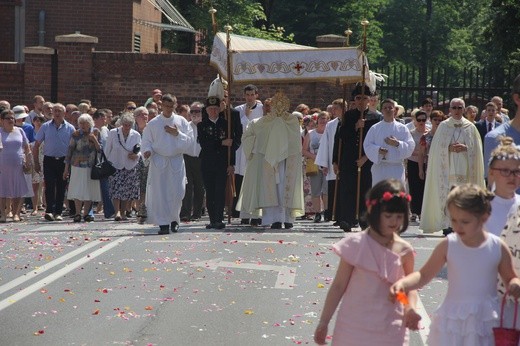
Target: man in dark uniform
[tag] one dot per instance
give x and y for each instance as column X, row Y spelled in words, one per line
column 349, row 135
column 214, row 142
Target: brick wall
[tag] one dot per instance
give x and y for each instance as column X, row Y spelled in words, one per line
column 38, row 79
column 110, row 21
column 144, row 12
column 122, row 77
column 12, row 82
column 110, row 79
column 7, row 25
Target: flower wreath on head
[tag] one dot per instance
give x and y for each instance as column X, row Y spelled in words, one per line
column 387, row 196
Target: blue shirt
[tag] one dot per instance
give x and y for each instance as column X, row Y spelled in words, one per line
column 491, row 140
column 29, row 131
column 56, row 139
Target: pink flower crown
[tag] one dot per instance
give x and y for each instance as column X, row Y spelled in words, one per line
column 387, row 196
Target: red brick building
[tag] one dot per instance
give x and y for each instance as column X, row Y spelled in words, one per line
column 67, row 50
column 119, row 25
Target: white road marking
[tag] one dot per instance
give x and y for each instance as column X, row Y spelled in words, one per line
column 285, row 279
column 178, row 241
column 58, row 274
column 28, row 276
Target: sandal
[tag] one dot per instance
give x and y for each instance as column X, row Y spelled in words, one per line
column 16, row 218
column 77, row 218
column 34, row 213
column 117, row 218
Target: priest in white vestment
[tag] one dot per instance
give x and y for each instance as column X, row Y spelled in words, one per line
column 455, row 158
column 165, row 139
column 387, row 144
column 273, row 182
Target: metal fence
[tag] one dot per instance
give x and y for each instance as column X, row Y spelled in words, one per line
column 475, row 85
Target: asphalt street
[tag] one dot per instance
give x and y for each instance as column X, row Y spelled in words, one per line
column 119, row 283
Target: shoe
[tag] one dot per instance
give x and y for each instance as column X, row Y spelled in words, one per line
column 447, row 231
column 345, row 226
column 276, row 225
column 363, row 224
column 164, row 229
column 88, row 218
column 244, row 222
column 77, row 218
column 288, row 225
column 128, row 214
column 219, row 225
column 185, row 219
column 16, row 218
column 326, row 216
column 174, row 226
column 317, row 218
column 335, row 224
column 414, row 218
column 10, row 215
column 209, row 226
column 58, row 217
column 34, row 213
column 256, row 222
column 117, row 218
column 49, row 217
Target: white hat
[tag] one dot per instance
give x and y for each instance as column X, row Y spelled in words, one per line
column 19, row 112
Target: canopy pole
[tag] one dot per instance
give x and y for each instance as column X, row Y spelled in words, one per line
column 230, row 182
column 212, row 12
column 364, row 23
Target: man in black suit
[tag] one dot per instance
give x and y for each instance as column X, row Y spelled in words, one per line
column 489, row 123
column 214, row 142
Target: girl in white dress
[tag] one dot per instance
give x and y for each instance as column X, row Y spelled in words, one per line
column 504, row 180
column 474, row 258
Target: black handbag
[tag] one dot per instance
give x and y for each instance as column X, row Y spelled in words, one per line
column 102, row 168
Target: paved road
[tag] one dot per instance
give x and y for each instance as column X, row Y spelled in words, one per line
column 107, row 283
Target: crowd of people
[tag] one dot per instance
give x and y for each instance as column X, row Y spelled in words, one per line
column 342, row 152
column 357, row 163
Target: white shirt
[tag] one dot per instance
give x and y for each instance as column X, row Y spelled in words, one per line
column 257, row 112
column 117, row 153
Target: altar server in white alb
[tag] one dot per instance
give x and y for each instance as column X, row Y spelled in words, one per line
column 252, row 109
column 165, row 139
column 387, row 144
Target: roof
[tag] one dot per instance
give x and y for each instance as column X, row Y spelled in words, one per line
column 177, row 21
column 254, row 60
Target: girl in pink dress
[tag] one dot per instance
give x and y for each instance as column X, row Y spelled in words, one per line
column 474, row 258
column 370, row 262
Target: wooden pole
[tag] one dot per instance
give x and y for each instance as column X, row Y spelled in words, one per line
column 214, row 26
column 364, row 23
column 230, row 182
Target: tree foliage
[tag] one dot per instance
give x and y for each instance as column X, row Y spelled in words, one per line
column 455, row 34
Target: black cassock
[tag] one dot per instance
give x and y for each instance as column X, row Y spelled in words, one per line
column 350, row 143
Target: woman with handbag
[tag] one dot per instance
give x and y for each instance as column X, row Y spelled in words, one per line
column 15, row 154
column 311, row 143
column 123, row 150
column 80, row 158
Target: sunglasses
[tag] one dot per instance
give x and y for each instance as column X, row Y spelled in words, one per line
column 422, row 120
column 131, row 108
column 505, row 172
column 456, row 107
